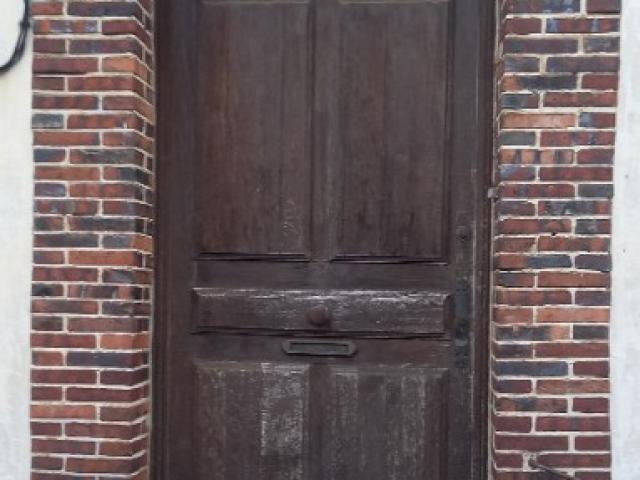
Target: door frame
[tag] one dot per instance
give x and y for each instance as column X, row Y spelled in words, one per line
column 485, row 109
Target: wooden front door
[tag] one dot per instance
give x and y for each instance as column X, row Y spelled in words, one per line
column 322, row 206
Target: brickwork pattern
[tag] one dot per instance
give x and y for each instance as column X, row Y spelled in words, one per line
column 93, row 131
column 557, row 87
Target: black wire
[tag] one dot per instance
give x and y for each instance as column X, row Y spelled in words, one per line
column 18, row 51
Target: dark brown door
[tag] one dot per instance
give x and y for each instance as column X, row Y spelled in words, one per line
column 321, row 181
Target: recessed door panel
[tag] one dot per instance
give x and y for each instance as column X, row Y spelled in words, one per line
column 385, row 423
column 392, row 128
column 252, row 421
column 253, row 123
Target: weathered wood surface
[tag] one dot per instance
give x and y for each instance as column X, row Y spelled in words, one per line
column 351, row 311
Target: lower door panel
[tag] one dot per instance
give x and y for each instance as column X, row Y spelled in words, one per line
column 320, row 417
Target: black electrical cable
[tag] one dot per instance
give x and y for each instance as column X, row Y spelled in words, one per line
column 18, row 51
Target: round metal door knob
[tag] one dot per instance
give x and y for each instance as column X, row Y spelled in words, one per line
column 319, row 316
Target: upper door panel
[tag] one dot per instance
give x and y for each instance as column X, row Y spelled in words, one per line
column 338, row 152
column 390, row 157
column 253, row 184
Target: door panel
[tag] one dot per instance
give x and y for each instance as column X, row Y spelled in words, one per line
column 254, row 96
column 384, row 423
column 321, row 215
column 253, row 421
column 391, row 95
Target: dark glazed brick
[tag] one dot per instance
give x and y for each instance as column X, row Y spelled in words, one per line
column 573, row 207
column 104, row 9
column 517, row 138
column 47, row 121
column 48, row 155
column 531, row 369
column 585, row 226
column 583, row 64
column 602, row 44
column 543, row 45
column 516, row 173
column 597, row 120
column 548, row 82
column 601, row 263
column 519, row 100
column 593, row 297
column 521, row 64
column 523, row 334
column 119, row 276
column 103, row 359
column 107, row 156
column 549, row 261
column 542, row 6
column 590, row 332
column 594, row 190
column 46, row 189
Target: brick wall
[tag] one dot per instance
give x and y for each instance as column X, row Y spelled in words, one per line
column 557, row 96
column 93, row 130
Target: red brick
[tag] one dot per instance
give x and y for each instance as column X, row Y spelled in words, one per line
column 600, row 81
column 572, row 350
column 504, row 315
column 576, row 173
column 39, row 393
column 63, row 411
column 71, row 102
column 560, row 387
column 49, row 429
column 573, row 244
column 99, row 465
column 591, row 369
column 47, row 463
column 62, row 340
column 576, row 138
column 65, row 138
column 573, row 315
column 572, row 424
column 603, row 6
column 46, row 358
column 521, row 26
column 532, row 442
column 593, row 443
column 575, row 460
column 50, row 7
column 512, row 424
column 533, row 120
column 63, row 376
column 573, row 279
column 533, row 297
column 67, row 173
column 104, row 257
column 63, row 446
column 64, row 65
column 591, row 405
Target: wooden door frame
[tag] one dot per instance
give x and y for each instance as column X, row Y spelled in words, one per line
column 484, row 120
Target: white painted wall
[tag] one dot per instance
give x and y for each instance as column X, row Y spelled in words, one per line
column 625, row 326
column 16, row 185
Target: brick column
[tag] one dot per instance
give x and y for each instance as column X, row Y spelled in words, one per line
column 93, row 130
column 557, row 97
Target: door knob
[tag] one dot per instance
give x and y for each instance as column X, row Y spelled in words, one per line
column 319, row 316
